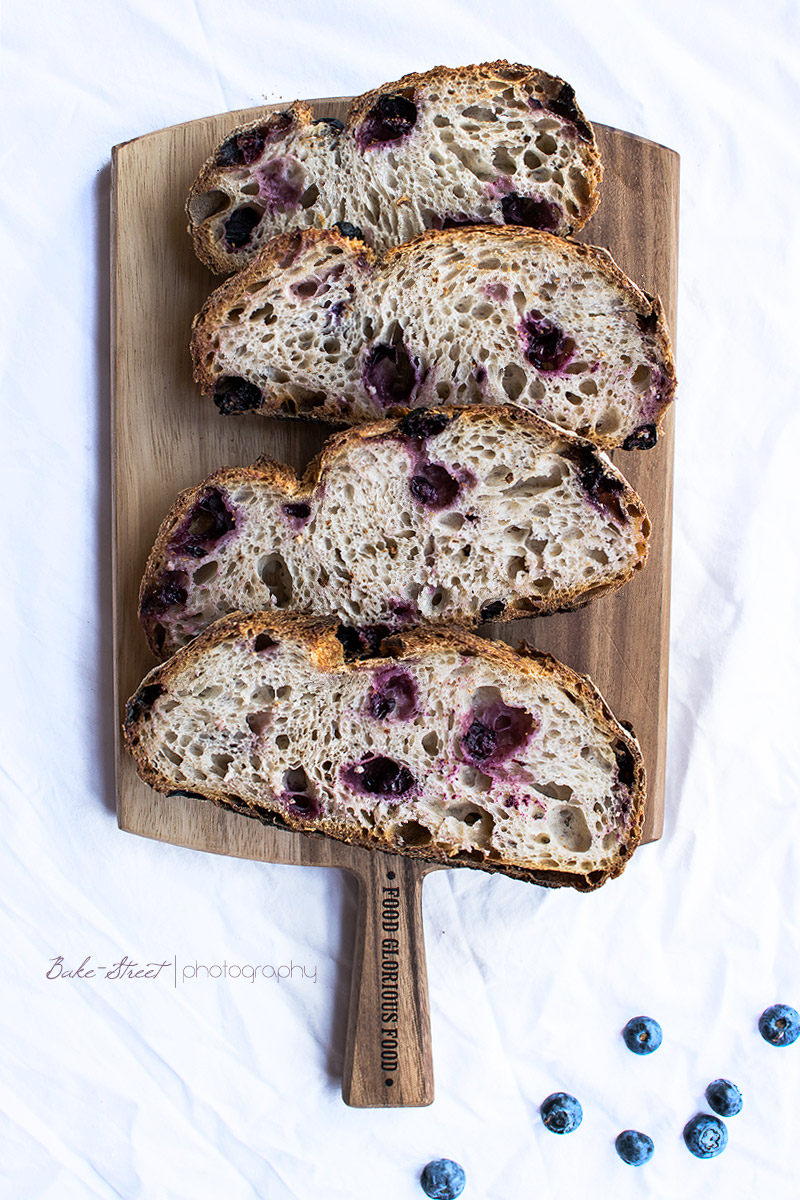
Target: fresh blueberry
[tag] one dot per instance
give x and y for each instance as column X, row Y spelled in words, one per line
column 705, row 1136
column 347, row 230
column 533, row 211
column 208, row 521
column 779, row 1025
column 561, row 1113
column 642, row 1035
column 390, row 118
column 236, row 395
column 433, row 486
column 421, row 423
column 546, row 345
column 389, row 374
column 724, row 1097
column 443, row 1179
column 643, row 438
column 240, row 225
column 379, row 776
column 634, row 1148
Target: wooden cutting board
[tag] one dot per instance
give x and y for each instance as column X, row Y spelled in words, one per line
column 166, row 438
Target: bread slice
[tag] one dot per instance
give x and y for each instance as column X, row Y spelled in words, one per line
column 490, row 144
column 442, row 516
column 444, row 747
column 315, row 327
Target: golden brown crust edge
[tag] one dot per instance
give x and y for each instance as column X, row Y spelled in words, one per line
column 325, row 651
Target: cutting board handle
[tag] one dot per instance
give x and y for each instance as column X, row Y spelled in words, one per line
column 388, row 1059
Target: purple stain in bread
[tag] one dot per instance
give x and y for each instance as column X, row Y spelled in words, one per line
column 422, row 423
column 240, row 225
column 643, row 438
column 208, row 521
column 479, row 374
column 299, row 804
column 532, row 211
column 546, row 345
column 297, row 514
column 496, row 291
column 389, row 374
column 563, row 105
column 143, row 701
column 391, row 117
column 168, row 591
column 362, row 642
column 602, row 488
column 232, row 394
column 494, row 732
column 379, row 776
column 433, row 486
column 280, row 184
column 405, row 612
column 242, row 149
column 393, row 694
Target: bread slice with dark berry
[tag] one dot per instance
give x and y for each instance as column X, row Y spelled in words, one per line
column 443, row 746
column 466, row 517
column 496, row 143
column 316, row 327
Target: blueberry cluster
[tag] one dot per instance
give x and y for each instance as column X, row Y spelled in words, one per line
column 705, row 1135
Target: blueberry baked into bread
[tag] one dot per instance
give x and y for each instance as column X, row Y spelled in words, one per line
column 497, row 143
column 316, row 327
column 466, row 516
column 443, row 746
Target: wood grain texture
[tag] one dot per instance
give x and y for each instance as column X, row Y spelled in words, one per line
column 166, row 437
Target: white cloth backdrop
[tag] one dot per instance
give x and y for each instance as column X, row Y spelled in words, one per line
column 231, row 1088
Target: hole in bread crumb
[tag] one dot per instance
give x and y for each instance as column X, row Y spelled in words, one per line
column 571, row 829
column 258, row 721
column 412, row 833
column 274, row 574
column 206, row 572
column 295, row 780
column 430, row 744
column 513, row 381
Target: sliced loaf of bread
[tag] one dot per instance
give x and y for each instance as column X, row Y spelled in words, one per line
column 314, row 327
column 466, row 516
column 443, row 746
column 496, row 143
